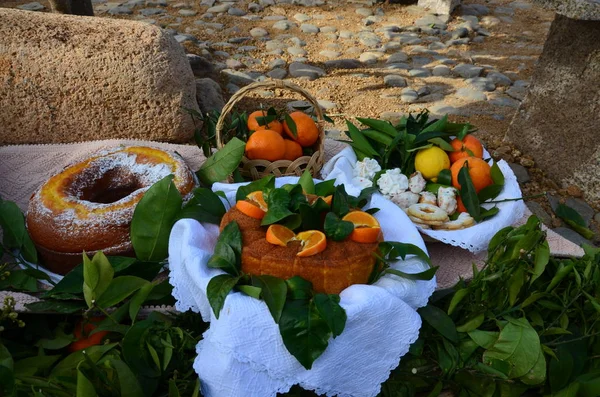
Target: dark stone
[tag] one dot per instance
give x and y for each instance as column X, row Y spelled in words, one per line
column 201, row 66
column 209, row 95
column 557, row 122
column 572, row 235
column 539, row 211
column 520, row 172
column 586, row 212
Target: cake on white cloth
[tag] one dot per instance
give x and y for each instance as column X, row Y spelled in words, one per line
column 242, row 353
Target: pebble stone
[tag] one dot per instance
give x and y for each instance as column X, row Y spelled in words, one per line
column 309, row 28
column 481, row 83
column 470, row 94
column 393, row 80
column 282, row 25
column 299, row 69
column 397, row 57
column 219, row 8
column 467, row 71
column 188, row 13
column 258, row 32
column 419, row 72
column 35, row 6
column 409, row 95
column 440, row 70
column 499, row 79
column 302, row 17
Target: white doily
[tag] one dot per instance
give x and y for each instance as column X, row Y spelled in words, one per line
column 475, row 238
column 242, row 353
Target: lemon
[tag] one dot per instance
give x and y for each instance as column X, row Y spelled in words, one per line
column 431, row 161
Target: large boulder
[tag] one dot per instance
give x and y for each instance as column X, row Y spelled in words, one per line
column 559, row 119
column 67, row 78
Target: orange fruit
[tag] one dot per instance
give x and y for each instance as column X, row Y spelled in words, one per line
column 479, row 170
column 328, row 199
column 366, row 227
column 469, row 142
column 85, row 340
column 265, row 145
column 253, row 124
column 292, row 150
column 254, row 205
column 306, row 129
column 279, row 235
column 313, row 242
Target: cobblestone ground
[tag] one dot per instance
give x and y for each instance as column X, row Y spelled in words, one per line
column 368, row 59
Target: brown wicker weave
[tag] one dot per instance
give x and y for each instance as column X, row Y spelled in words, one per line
column 257, row 169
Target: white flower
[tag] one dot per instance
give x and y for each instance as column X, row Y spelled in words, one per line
column 392, row 182
column 367, row 168
column 362, row 183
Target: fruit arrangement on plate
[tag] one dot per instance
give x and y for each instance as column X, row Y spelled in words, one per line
column 433, row 169
column 278, row 143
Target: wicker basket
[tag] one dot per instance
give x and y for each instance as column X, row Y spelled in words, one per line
column 257, row 169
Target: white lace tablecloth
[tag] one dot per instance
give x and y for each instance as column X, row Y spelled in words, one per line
column 242, row 353
column 475, row 238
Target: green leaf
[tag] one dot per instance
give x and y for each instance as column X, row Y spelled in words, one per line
column 119, row 289
column 273, row 292
column 7, row 381
column 560, row 370
column 138, row 300
column 532, row 299
column 424, row 275
column 325, row 188
column 97, row 276
column 85, row 388
column 518, row 344
column 173, row 391
column 224, row 258
column 339, row 204
column 497, row 175
column 128, row 383
column 489, row 192
column 379, row 125
column 6, row 359
column 265, row 184
column 472, row 323
column 377, row 136
column 593, row 301
column 442, row 143
column 337, row 229
column 307, row 183
column 515, row 283
column 463, row 132
column 574, row 220
column 250, row 290
column 63, row 307
column 222, row 163
column 561, row 273
column 440, row 321
column 437, row 125
column 19, row 280
column 289, row 121
column 467, row 192
column 392, row 250
column 12, row 222
column 305, row 334
column 360, row 141
column 232, row 236
column 58, row 341
column 328, row 306
column 217, row 290
column 278, row 202
column 485, row 339
column 444, row 178
column 204, row 206
column 299, row 288
column 153, row 219
column 456, row 299
column 541, row 259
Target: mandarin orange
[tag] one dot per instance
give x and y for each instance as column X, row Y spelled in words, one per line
column 254, row 125
column 479, row 170
column 313, row 242
column 462, row 148
column 265, row 145
column 366, row 227
column 293, row 150
column 279, row 235
column 307, row 131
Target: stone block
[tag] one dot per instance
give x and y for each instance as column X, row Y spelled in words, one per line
column 575, row 9
column 66, row 78
column 557, row 122
column 439, row 6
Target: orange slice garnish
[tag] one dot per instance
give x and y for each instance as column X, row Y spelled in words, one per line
column 254, row 205
column 313, row 242
column 328, row 199
column 279, row 235
column 366, row 227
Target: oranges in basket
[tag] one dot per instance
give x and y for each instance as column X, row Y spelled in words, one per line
column 272, row 139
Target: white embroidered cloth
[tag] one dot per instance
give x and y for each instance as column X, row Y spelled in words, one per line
column 475, row 238
column 242, row 353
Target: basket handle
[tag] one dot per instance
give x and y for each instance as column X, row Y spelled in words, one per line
column 271, row 84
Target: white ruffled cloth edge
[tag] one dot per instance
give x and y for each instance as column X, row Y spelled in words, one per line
column 475, row 238
column 242, row 353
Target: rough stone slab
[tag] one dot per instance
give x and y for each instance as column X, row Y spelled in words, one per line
column 557, row 122
column 66, row 78
column 574, row 9
column 299, row 69
column 439, row 6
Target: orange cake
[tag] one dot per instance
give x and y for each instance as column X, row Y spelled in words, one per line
column 89, row 205
column 340, row 265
